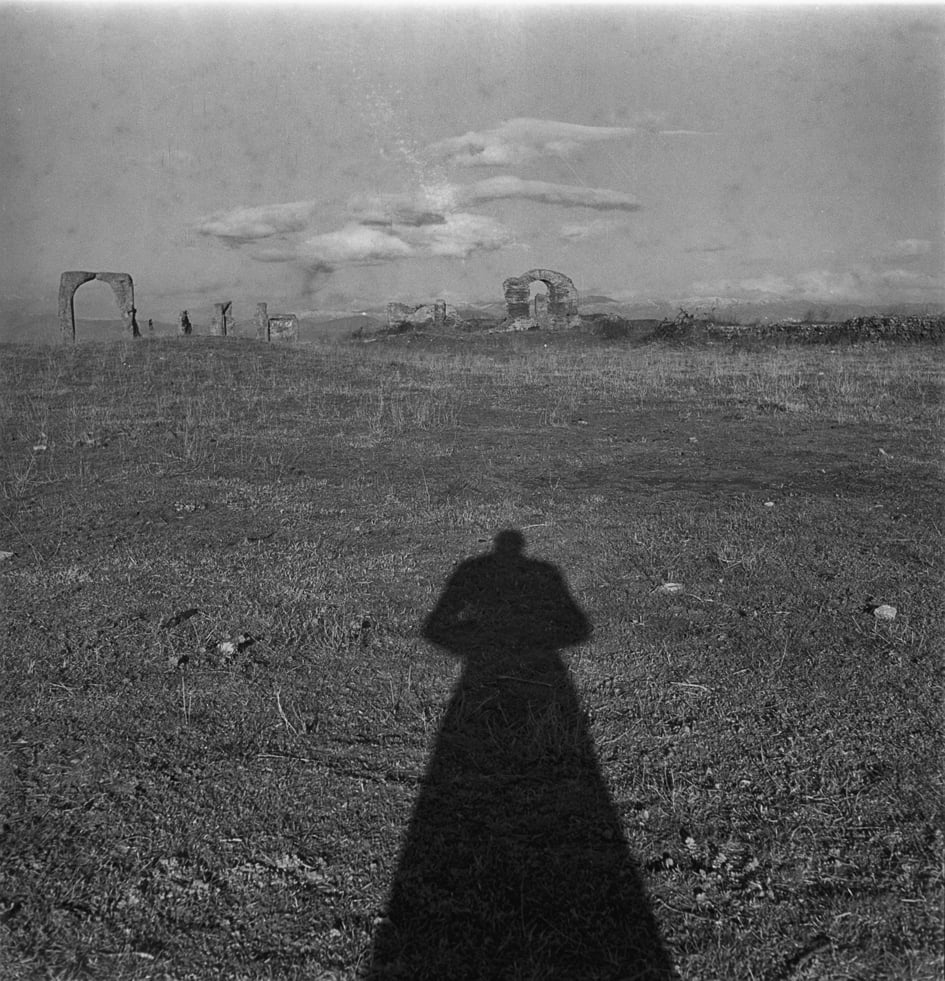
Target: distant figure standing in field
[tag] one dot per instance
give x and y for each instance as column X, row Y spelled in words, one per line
column 515, row 863
column 185, row 327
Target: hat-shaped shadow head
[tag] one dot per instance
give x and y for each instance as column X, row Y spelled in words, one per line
column 501, row 600
column 509, row 542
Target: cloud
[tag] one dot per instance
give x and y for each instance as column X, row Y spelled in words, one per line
column 352, row 245
column 427, row 205
column 568, row 195
column 405, row 217
column 906, row 248
column 814, row 283
column 459, row 235
column 598, row 227
column 521, row 140
column 435, row 220
column 247, row 224
column 860, row 284
column 711, row 247
column 757, row 287
column 867, row 283
column 906, row 278
column 453, row 236
column 768, row 285
column 381, row 228
column 829, row 284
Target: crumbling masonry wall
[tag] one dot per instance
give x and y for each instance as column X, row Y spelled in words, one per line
column 438, row 315
column 562, row 308
column 122, row 287
column 278, row 327
column 889, row 329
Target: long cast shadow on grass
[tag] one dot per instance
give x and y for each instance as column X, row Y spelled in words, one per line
column 515, row 865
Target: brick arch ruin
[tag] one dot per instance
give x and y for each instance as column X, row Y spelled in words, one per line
column 562, row 309
column 122, row 287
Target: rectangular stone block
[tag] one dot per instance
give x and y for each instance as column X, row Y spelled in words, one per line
column 283, row 327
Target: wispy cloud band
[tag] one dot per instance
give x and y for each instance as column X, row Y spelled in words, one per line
column 456, row 236
column 248, row 223
column 522, row 140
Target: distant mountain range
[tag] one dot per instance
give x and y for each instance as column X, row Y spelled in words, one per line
column 44, row 328
column 723, row 308
column 752, row 311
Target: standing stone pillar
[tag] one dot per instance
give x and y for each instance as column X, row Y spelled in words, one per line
column 185, row 329
column 218, row 323
column 262, row 322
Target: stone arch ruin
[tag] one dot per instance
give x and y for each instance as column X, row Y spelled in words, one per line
column 561, row 309
column 122, row 287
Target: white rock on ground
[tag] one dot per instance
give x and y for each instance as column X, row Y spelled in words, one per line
column 670, row 587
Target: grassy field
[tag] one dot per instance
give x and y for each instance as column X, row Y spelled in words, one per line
column 278, row 703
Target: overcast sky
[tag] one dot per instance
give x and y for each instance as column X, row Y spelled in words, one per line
column 331, row 158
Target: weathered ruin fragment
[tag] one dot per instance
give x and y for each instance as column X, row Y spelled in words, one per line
column 559, row 310
column 398, row 314
column 283, row 327
column 439, row 315
column 262, row 322
column 122, row 287
column 218, row 323
column 185, row 329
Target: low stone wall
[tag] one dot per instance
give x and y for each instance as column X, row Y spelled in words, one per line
column 856, row 330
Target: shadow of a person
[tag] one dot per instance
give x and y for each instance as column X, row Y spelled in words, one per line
column 515, row 865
